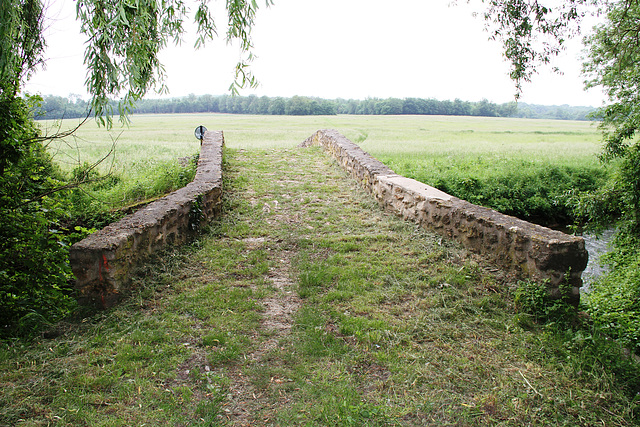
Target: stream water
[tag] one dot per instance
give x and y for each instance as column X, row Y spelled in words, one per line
column 596, row 246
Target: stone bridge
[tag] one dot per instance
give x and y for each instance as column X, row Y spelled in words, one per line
column 103, row 261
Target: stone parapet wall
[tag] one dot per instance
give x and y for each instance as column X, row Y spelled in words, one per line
column 103, row 261
column 528, row 250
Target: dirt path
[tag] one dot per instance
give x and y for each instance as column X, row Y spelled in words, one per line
column 281, row 204
column 296, row 209
column 277, row 319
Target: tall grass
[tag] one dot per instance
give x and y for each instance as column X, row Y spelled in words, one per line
column 435, row 141
column 528, row 168
column 145, row 142
column 136, row 163
column 532, row 169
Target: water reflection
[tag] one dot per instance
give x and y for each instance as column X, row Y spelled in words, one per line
column 596, row 245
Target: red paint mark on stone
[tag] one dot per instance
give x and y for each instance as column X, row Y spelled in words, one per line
column 104, row 264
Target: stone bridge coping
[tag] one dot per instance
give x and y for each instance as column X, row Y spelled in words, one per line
column 526, row 249
column 415, row 187
column 103, row 261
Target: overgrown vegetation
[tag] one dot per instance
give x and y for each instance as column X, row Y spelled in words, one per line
column 34, row 270
column 614, row 300
column 111, row 196
column 43, row 211
column 542, row 194
column 532, row 33
column 613, row 65
column 535, row 170
column 596, row 197
column 582, row 342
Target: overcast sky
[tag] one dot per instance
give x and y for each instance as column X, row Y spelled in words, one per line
column 338, row 49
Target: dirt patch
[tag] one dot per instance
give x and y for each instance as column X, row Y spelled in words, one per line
column 245, row 400
column 280, row 309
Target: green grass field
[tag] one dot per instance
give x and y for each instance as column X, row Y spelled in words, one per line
column 424, row 139
column 522, row 167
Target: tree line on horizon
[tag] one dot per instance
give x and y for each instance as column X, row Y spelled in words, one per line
column 57, row 107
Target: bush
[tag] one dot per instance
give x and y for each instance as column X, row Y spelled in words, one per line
column 35, row 212
column 34, row 267
column 533, row 301
column 544, row 195
column 581, row 343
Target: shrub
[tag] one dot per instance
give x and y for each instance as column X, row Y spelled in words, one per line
column 581, row 343
column 34, row 267
column 534, row 301
column 546, row 195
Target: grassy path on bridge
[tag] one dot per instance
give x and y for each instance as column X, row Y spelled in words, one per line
column 305, row 304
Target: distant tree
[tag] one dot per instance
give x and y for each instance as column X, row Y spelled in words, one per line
column 210, row 103
column 327, row 108
column 411, row 106
column 298, row 106
column 508, row 109
column 222, row 104
column 431, row 106
column 277, row 106
column 484, row 108
column 262, row 105
column 182, row 107
column 251, row 104
column 54, row 105
column 368, row 106
column 346, row 106
column 461, row 108
column 446, row 107
column 390, row 106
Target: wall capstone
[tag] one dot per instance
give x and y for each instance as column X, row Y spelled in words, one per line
column 526, row 249
column 103, row 261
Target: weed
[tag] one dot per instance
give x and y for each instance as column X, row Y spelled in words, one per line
column 196, row 214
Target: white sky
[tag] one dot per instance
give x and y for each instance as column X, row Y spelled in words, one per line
column 338, row 49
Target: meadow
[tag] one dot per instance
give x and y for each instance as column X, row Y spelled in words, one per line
column 523, row 167
column 423, row 139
